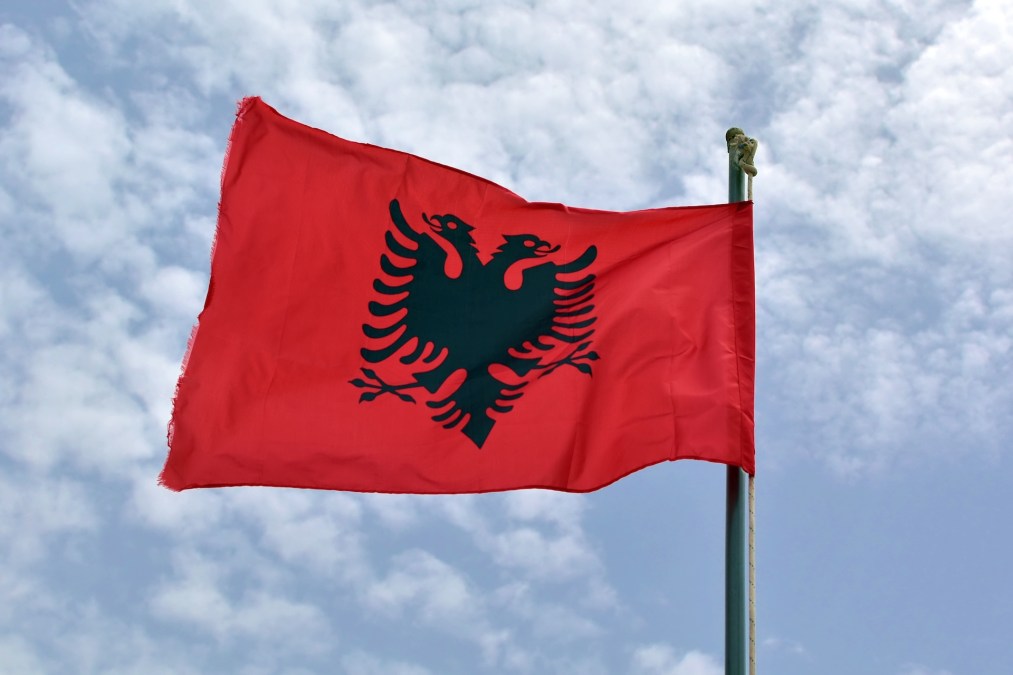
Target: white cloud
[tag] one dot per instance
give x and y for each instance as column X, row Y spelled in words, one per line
column 556, row 622
column 25, row 313
column 559, row 508
column 91, row 366
column 18, row 657
column 321, row 532
column 36, row 509
column 361, row 663
column 865, row 388
column 541, row 557
column 556, row 554
column 48, row 633
column 784, row 645
column 557, row 103
column 661, row 659
column 397, row 512
column 188, row 515
column 175, row 290
column 72, row 403
column 200, row 597
column 863, row 295
column 439, row 596
column 419, row 579
column 64, row 146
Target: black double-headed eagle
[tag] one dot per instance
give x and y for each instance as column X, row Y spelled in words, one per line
column 499, row 337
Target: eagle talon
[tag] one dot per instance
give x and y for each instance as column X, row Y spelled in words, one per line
column 381, row 387
column 573, row 359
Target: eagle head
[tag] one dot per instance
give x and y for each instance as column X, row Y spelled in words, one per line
column 520, row 246
column 449, row 227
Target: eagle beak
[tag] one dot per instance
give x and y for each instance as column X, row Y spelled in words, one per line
column 544, row 249
column 435, row 226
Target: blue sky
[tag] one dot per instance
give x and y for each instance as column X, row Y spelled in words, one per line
column 885, row 337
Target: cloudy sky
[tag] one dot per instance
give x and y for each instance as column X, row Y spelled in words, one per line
column 885, row 337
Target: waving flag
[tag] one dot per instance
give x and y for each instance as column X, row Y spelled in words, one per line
column 378, row 322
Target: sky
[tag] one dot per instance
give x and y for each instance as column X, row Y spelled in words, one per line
column 884, row 264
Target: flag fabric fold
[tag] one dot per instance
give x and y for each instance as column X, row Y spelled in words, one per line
column 378, row 322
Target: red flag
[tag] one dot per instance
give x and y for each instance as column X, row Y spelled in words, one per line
column 381, row 323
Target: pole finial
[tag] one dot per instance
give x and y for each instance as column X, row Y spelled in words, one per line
column 742, row 148
column 741, row 151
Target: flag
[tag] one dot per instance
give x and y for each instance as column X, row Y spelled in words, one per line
column 378, row 322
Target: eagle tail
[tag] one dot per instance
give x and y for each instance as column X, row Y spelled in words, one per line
column 479, row 395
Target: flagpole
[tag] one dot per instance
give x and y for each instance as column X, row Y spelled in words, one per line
column 740, row 154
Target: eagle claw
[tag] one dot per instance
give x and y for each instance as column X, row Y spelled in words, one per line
column 576, row 359
column 381, row 387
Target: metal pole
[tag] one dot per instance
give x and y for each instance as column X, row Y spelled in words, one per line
column 735, row 572
column 736, row 616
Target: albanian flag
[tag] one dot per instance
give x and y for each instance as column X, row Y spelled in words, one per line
column 381, row 323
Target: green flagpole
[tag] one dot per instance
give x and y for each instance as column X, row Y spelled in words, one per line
column 735, row 572
column 740, row 154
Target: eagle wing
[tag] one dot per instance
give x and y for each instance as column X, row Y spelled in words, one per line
column 553, row 305
column 418, row 303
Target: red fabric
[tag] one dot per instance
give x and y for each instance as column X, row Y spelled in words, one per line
column 266, row 396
